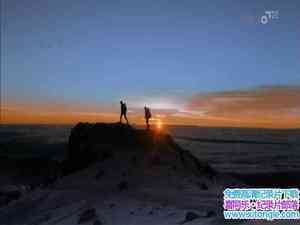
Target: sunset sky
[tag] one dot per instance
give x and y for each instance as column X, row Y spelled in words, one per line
column 206, row 63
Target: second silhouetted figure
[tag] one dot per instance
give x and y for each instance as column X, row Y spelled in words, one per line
column 123, row 111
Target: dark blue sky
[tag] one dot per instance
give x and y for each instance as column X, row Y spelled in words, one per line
column 97, row 51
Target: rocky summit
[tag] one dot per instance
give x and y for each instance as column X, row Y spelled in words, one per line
column 89, row 143
column 116, row 174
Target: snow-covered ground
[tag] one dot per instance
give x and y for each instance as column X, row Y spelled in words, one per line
column 155, row 199
column 122, row 193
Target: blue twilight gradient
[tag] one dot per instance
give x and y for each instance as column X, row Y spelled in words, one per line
column 97, row 51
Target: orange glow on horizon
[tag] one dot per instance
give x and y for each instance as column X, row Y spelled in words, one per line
column 15, row 117
column 258, row 108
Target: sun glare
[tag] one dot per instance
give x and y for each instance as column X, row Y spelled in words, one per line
column 159, row 125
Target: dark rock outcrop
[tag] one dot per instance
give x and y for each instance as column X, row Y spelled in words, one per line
column 123, row 185
column 190, row 216
column 87, row 215
column 91, row 142
column 6, row 197
column 97, row 142
column 98, row 222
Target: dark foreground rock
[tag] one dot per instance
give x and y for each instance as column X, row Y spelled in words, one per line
column 8, row 196
column 87, row 215
column 190, row 216
column 93, row 142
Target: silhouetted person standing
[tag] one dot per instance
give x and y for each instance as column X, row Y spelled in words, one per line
column 147, row 116
column 123, row 111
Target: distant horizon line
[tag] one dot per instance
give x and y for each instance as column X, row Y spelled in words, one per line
column 153, row 125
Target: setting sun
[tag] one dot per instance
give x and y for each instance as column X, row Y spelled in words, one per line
column 159, row 125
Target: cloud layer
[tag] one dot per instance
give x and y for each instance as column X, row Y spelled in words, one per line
column 266, row 106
